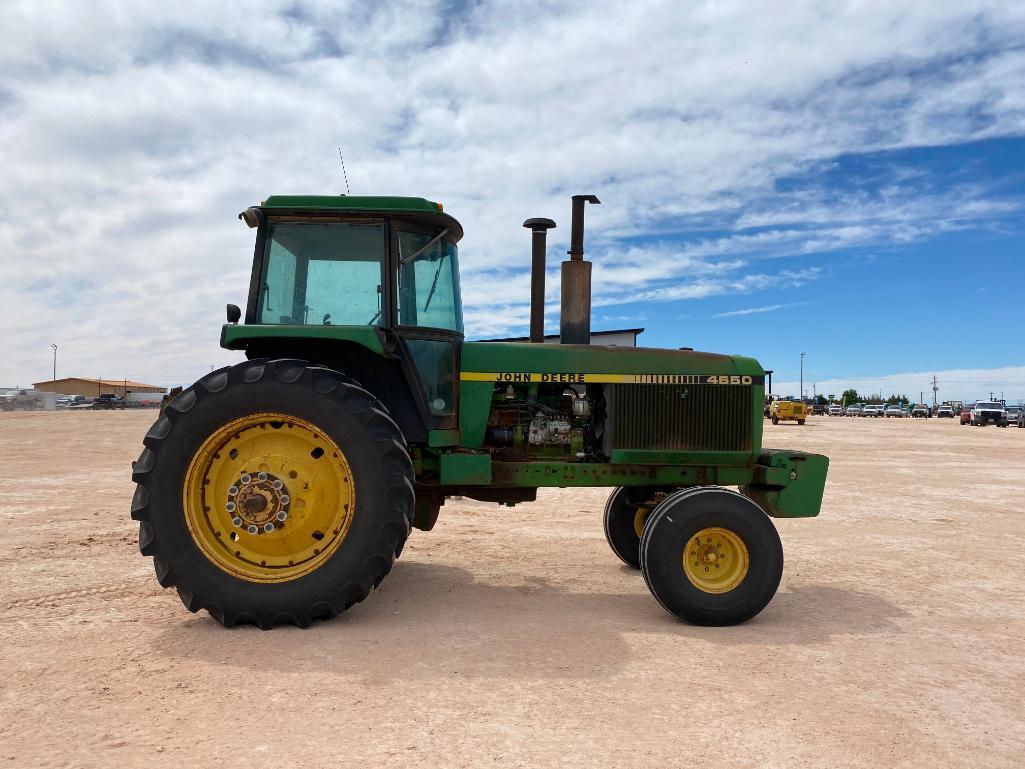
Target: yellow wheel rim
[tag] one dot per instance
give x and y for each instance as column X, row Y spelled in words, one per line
column 269, row 497
column 639, row 518
column 715, row 560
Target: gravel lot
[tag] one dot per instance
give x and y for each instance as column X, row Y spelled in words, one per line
column 514, row 637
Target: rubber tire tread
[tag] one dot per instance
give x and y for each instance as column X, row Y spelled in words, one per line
column 681, row 515
column 619, row 528
column 373, row 445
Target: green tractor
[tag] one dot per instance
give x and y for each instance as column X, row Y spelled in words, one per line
column 283, row 488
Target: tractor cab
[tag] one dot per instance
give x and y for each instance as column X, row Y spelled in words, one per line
column 386, row 267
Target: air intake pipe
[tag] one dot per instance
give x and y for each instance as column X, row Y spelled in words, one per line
column 575, row 320
column 538, row 246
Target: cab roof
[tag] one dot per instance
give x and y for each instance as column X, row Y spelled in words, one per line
column 419, row 208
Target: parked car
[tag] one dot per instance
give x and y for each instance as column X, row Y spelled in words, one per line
column 989, row 413
column 873, row 410
column 920, row 411
column 109, row 401
column 1013, row 414
column 945, row 411
column 966, row 415
column 895, row 410
column 853, row 410
column 836, row 410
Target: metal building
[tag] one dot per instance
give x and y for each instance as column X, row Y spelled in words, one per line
column 93, row 388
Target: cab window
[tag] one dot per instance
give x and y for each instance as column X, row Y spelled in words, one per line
column 322, row 274
column 428, row 282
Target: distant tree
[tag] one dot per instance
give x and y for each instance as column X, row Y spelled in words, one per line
column 821, row 400
column 850, row 396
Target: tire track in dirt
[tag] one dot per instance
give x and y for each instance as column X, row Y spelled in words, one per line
column 62, row 598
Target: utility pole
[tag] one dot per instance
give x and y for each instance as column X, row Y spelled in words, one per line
column 935, row 389
column 814, row 393
column 54, row 362
column 802, row 376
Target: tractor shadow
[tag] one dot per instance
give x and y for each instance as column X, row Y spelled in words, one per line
column 431, row 621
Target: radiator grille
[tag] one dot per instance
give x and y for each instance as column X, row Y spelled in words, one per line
column 679, row 417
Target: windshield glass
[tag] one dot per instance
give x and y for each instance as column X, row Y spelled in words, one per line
column 428, row 282
column 989, row 405
column 322, row 274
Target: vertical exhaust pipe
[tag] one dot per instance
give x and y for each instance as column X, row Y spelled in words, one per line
column 538, row 247
column 575, row 320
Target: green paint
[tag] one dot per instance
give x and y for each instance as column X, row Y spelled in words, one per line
column 465, row 469
column 443, row 438
column 641, row 457
column 350, row 203
column 790, row 485
column 235, row 337
column 474, row 406
column 523, row 357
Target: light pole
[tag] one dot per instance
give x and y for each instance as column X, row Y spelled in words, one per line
column 802, row 376
column 54, row 362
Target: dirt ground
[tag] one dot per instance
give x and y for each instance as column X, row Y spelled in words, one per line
column 514, row 637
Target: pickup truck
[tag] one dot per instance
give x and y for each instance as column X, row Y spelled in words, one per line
column 109, row 401
column 945, row 411
column 989, row 413
column 920, row 411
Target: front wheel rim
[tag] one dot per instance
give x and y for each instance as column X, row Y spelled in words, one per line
column 268, row 497
column 715, row 560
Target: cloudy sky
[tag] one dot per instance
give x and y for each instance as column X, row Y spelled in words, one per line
column 846, row 179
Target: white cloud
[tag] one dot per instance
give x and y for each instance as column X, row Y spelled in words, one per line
column 757, row 310
column 133, row 136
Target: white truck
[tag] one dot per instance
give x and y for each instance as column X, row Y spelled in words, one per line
column 989, row 413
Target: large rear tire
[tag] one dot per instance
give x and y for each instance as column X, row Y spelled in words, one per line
column 711, row 556
column 273, row 492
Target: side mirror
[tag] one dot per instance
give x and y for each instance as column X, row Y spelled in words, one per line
column 234, row 313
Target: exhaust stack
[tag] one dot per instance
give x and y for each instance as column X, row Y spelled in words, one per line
column 575, row 321
column 538, row 247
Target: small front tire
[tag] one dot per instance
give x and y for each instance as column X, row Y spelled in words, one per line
column 711, row 556
column 626, row 511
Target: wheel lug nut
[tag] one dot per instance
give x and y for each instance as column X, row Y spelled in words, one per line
column 277, row 485
column 230, row 507
column 282, row 515
column 233, row 491
column 268, row 527
column 285, row 499
column 262, row 476
column 246, row 478
column 236, row 522
column 253, row 529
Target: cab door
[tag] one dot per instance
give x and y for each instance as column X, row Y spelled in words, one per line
column 429, row 317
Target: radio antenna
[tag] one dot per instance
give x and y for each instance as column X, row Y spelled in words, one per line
column 344, row 174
